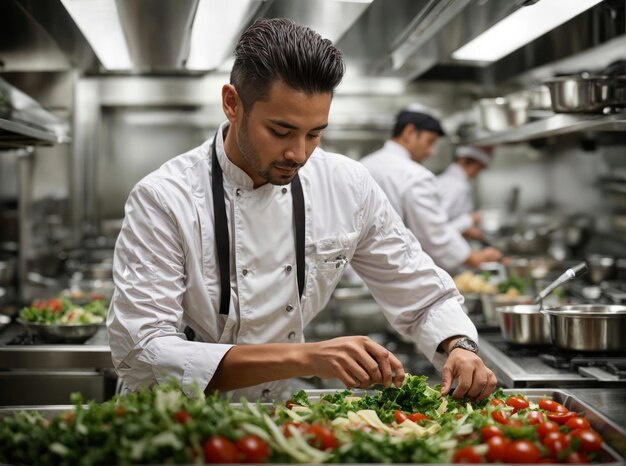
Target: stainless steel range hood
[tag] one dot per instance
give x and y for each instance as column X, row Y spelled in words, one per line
column 23, row 122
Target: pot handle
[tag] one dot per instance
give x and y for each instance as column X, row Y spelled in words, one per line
column 566, row 276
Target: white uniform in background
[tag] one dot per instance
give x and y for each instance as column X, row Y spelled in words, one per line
column 455, row 192
column 166, row 273
column 413, row 192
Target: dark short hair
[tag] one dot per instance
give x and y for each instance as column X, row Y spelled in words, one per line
column 420, row 120
column 279, row 49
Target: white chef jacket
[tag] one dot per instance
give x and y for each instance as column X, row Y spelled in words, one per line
column 455, row 192
column 166, row 275
column 413, row 192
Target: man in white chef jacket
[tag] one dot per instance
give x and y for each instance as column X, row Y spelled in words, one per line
column 248, row 302
column 455, row 189
column 413, row 191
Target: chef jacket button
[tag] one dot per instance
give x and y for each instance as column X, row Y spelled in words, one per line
column 284, row 190
column 291, row 335
column 244, row 272
column 288, row 267
column 266, row 393
column 289, row 308
column 238, row 192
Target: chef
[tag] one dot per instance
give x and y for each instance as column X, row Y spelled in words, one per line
column 228, row 251
column 413, row 191
column 455, row 189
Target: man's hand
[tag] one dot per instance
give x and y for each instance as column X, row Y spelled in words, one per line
column 357, row 361
column 475, row 380
column 475, row 216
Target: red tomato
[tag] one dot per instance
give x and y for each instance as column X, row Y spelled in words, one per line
column 400, row 416
column 576, row 457
column 561, row 418
column 515, row 423
column 253, row 449
column 535, row 417
column 289, row 404
column 96, row 297
column 120, row 411
column 490, row 431
column 497, row 401
column 544, row 428
column 322, row 437
column 182, row 416
column 500, row 416
column 589, row 439
column 300, row 427
column 416, row 417
column 466, row 455
column 517, row 402
column 555, row 442
column 497, row 448
column 521, row 451
column 577, row 423
column 55, row 305
column 551, row 405
column 218, row 449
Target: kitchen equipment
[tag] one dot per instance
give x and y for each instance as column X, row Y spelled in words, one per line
column 359, row 312
column 566, row 276
column 4, row 321
column 523, row 324
column 601, row 268
column 503, row 113
column 588, row 327
column 584, row 93
column 7, row 271
column 534, row 267
column 51, row 333
column 539, row 98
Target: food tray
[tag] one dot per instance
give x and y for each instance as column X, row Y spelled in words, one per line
column 613, row 451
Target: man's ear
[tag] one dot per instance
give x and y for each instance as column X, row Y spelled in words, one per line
column 231, row 103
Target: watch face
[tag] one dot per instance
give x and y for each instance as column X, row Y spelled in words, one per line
column 467, row 344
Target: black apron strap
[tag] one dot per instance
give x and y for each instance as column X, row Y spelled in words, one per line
column 221, row 230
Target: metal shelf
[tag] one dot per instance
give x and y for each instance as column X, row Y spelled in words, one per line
column 14, row 133
column 555, row 125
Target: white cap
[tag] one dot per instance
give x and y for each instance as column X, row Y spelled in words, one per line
column 475, row 153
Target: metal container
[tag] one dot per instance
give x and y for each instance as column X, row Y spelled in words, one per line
column 588, row 327
column 7, row 271
column 359, row 312
column 580, row 93
column 537, row 267
column 523, row 324
column 601, row 268
column 52, row 333
column 502, row 113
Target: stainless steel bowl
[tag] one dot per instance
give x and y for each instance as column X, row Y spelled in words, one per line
column 588, row 327
column 58, row 333
column 524, row 325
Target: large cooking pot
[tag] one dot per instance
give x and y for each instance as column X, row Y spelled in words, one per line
column 588, row 327
column 523, row 324
column 583, row 93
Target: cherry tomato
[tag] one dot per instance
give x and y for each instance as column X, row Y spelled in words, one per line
column 120, row 411
column 521, row 451
column 500, row 417
column 551, row 405
column 561, row 418
column 544, row 428
column 252, row 449
column 218, row 449
column 517, row 402
column 490, row 431
column 416, row 417
column 322, row 437
column 497, row 448
column 182, row 416
column 466, row 455
column 497, row 402
column 300, row 427
column 400, row 416
column 576, row 457
column 577, row 423
column 96, row 297
column 515, row 423
column 589, row 439
column 555, row 442
column 289, row 404
column 55, row 305
column 535, row 417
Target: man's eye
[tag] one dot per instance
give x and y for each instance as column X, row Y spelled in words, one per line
column 279, row 134
column 314, row 136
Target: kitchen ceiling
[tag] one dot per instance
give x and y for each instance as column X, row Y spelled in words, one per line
column 407, row 39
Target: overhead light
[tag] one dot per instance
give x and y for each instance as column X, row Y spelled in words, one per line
column 100, row 24
column 215, row 30
column 524, row 25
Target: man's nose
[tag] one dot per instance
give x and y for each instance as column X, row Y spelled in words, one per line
column 296, row 152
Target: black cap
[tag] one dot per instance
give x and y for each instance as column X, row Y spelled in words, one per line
column 420, row 121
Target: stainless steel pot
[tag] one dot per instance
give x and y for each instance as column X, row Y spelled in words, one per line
column 502, row 113
column 572, row 94
column 588, row 327
column 537, row 267
column 600, row 268
column 524, row 325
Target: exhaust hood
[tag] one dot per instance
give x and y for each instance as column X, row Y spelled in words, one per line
column 23, row 122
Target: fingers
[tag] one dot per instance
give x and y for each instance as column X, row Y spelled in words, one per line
column 397, row 370
column 446, row 379
column 475, row 380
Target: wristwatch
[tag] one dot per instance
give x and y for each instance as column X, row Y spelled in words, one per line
column 466, row 344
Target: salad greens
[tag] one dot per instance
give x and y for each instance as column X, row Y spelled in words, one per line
column 65, row 311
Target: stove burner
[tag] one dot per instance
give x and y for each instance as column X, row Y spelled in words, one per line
column 618, row 368
column 520, row 351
